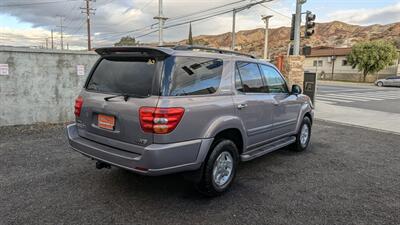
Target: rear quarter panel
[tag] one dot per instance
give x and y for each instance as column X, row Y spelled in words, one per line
column 202, row 116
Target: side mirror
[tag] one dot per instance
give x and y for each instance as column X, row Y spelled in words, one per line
column 296, row 89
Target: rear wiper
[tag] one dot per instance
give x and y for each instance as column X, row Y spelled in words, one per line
column 126, row 96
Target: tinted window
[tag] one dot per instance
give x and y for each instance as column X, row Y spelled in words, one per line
column 195, row 76
column 250, row 77
column 123, row 75
column 275, row 83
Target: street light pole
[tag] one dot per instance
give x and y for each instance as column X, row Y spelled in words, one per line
column 266, row 20
column 233, row 30
column 161, row 19
column 248, row 6
column 296, row 48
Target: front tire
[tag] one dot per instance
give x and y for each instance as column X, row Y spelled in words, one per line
column 219, row 169
column 380, row 84
column 303, row 136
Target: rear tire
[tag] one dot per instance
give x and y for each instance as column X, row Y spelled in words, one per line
column 303, row 136
column 379, row 84
column 219, row 169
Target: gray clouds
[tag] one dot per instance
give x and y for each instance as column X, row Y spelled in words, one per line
column 114, row 17
column 388, row 14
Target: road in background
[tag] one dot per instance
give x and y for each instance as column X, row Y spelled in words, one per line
column 359, row 104
column 385, row 99
column 348, row 176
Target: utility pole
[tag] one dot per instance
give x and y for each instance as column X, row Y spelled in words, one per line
column 61, row 28
column 248, row 6
column 52, row 39
column 266, row 20
column 88, row 11
column 161, row 20
column 233, row 30
column 47, row 43
column 296, row 48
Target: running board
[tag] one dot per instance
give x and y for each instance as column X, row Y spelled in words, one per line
column 262, row 150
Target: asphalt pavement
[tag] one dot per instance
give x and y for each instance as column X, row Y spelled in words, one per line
column 348, row 176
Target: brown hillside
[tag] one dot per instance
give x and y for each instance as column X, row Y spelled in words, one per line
column 336, row 33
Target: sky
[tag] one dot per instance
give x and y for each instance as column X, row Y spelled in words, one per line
column 29, row 22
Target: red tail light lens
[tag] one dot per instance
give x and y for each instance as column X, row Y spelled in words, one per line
column 160, row 120
column 78, row 106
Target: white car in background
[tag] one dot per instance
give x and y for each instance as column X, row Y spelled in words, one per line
column 393, row 81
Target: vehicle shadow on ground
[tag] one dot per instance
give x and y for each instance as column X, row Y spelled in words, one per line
column 126, row 183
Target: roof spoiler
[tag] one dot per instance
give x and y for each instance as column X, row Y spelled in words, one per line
column 135, row 51
column 208, row 49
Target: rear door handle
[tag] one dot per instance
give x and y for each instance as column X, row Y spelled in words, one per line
column 242, row 106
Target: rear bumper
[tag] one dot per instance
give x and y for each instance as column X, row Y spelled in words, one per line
column 156, row 159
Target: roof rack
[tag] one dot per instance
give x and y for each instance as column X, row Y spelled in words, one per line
column 208, row 49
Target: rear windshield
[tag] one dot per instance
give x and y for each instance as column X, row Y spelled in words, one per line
column 123, row 76
column 195, row 76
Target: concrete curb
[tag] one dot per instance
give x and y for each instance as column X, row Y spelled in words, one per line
column 358, row 126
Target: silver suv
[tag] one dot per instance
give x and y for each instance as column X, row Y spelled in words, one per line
column 160, row 110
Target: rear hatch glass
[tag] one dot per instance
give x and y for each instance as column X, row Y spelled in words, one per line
column 123, row 75
column 115, row 121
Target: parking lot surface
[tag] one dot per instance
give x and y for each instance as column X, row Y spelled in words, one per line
column 348, row 176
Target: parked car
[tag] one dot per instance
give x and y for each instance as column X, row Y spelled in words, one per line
column 393, row 81
column 159, row 110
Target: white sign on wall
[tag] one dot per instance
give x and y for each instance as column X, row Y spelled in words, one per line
column 80, row 70
column 4, row 70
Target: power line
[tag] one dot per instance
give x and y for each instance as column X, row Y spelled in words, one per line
column 36, row 3
column 145, row 5
column 190, row 21
column 78, row 29
column 150, row 27
column 275, row 11
column 206, row 10
column 70, row 17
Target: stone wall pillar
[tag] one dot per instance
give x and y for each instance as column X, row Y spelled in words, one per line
column 293, row 70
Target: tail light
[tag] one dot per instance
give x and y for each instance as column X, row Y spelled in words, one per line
column 160, row 120
column 78, row 106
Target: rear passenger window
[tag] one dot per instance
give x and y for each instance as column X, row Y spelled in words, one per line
column 275, row 82
column 250, row 77
column 195, row 76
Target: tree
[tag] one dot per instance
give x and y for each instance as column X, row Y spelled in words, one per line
column 127, row 41
column 190, row 38
column 372, row 57
column 397, row 42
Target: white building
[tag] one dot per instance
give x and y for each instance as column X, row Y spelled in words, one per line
column 331, row 64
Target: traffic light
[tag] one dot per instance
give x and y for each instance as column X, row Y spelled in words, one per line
column 292, row 27
column 310, row 24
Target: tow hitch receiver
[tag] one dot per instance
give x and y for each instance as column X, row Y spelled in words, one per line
column 101, row 165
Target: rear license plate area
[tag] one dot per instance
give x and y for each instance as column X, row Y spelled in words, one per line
column 106, row 122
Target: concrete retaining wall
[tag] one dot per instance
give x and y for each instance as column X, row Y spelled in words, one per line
column 41, row 85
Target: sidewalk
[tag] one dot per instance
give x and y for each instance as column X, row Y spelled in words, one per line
column 345, row 83
column 372, row 119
